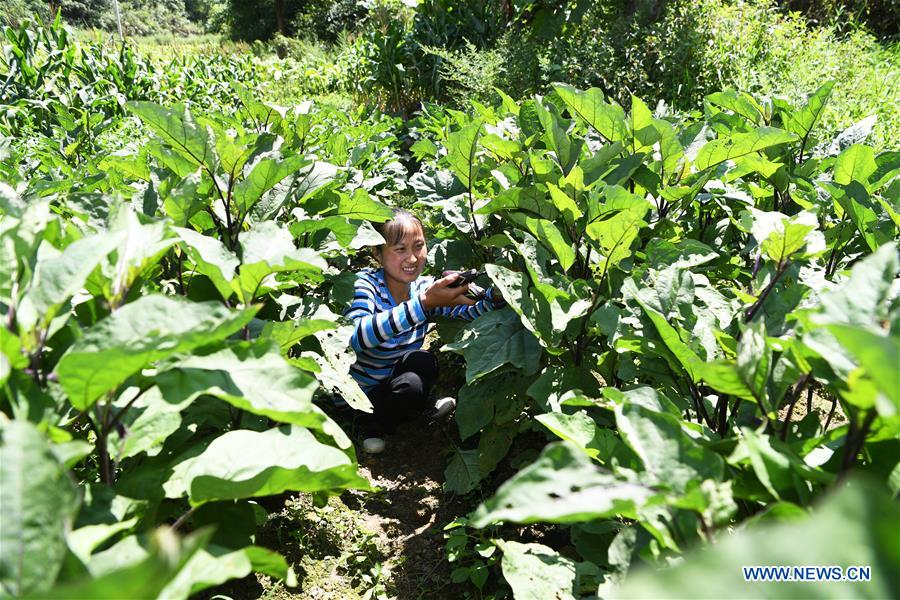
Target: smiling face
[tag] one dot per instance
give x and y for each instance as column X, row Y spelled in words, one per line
column 403, row 257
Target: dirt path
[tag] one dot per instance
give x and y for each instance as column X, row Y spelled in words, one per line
column 410, row 511
column 383, row 544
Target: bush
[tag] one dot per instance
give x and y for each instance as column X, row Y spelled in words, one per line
column 647, row 53
column 14, row 12
column 880, row 16
column 469, row 73
column 694, row 48
column 757, row 49
column 325, row 21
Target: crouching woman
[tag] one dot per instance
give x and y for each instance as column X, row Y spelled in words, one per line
column 392, row 309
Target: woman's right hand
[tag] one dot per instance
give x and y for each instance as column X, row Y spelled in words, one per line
column 440, row 294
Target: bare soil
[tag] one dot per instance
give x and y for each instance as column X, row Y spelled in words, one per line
column 383, row 544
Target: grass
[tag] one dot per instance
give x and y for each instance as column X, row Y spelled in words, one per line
column 762, row 51
column 330, row 548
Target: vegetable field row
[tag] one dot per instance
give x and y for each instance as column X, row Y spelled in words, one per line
column 702, row 338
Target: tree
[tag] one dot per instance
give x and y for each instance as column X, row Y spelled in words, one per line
column 260, row 19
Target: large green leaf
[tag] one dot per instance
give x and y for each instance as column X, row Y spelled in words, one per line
column 863, row 298
column 140, row 248
column 268, row 249
column 530, row 200
column 211, row 258
column 580, row 429
column 591, row 107
column 802, row 121
column 682, row 357
column 252, row 377
column 235, row 151
column 150, row 329
column 462, row 473
column 740, row 144
column 38, row 502
column 754, row 362
column 856, row 526
column 670, row 457
column 565, row 203
column 776, row 466
column 310, row 180
column 496, row 339
column 740, row 103
column 865, row 213
column 335, row 360
column 134, row 571
column 552, row 238
column 856, row 163
column 616, row 224
column 536, row 572
column 498, row 397
column 644, row 133
column 59, row 275
column 567, row 151
column 562, row 486
column 879, row 356
column 266, row 174
column 213, row 565
column 178, row 128
column 861, row 302
column 148, row 420
column 360, row 205
column 462, row 148
column 432, row 184
column 781, row 237
column 546, row 317
column 185, row 199
column 245, row 464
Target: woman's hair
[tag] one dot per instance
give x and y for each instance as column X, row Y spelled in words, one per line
column 395, row 230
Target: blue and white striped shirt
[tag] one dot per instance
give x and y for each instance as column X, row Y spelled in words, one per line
column 386, row 331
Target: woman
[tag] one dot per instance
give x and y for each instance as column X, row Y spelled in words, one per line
column 391, row 308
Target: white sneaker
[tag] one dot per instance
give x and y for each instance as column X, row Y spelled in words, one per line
column 443, row 407
column 373, row 445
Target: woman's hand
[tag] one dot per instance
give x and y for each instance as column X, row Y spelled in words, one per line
column 440, row 294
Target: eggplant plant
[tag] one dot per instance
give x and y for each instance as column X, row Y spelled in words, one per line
column 166, row 333
column 683, row 293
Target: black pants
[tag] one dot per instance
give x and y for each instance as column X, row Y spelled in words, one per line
column 402, row 396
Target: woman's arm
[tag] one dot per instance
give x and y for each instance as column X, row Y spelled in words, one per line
column 490, row 302
column 373, row 326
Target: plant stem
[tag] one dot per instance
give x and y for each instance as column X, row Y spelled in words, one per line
column 118, row 416
column 698, row 404
column 809, row 396
column 722, row 409
column 795, row 395
column 855, row 440
column 180, row 520
column 106, row 474
column 180, row 274
column 36, row 357
column 830, row 413
column 782, row 267
column 734, row 409
column 581, row 341
column 831, row 265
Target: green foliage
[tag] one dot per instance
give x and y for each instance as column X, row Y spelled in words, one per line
column 174, row 254
column 469, row 73
column 687, row 282
column 327, row 21
column 39, row 503
column 159, row 312
column 808, row 541
column 15, row 12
